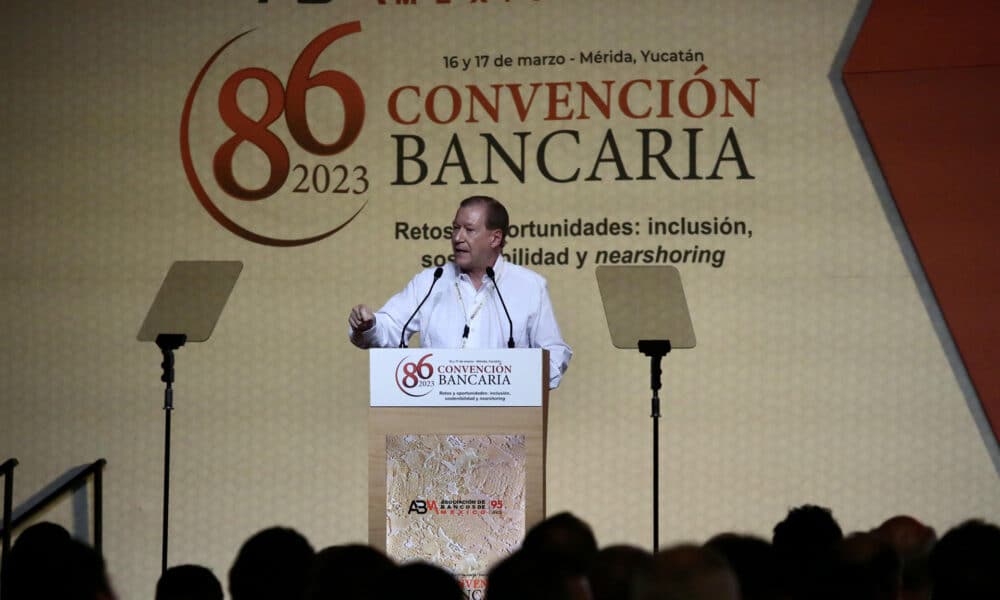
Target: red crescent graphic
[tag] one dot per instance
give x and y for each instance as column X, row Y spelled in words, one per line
column 202, row 195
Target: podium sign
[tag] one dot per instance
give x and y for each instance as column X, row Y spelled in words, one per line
column 455, row 500
column 427, row 377
column 456, row 454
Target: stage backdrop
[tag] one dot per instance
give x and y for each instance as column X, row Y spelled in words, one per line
column 326, row 145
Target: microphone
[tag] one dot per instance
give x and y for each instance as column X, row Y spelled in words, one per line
column 402, row 336
column 492, row 275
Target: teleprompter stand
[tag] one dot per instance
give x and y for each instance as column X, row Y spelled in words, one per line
column 646, row 309
column 186, row 309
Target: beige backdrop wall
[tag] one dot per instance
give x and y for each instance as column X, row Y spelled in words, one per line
column 822, row 373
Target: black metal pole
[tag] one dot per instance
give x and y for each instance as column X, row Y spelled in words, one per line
column 167, row 343
column 168, row 408
column 656, row 470
column 655, row 350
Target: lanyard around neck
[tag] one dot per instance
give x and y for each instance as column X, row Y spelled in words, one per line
column 465, row 313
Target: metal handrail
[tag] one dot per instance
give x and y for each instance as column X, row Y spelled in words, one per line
column 7, row 470
column 96, row 469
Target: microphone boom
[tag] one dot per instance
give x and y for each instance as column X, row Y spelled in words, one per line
column 493, row 276
column 402, row 335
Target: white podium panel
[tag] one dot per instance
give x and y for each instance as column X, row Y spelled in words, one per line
column 428, row 377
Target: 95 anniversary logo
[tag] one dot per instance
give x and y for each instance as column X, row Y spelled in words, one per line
column 263, row 150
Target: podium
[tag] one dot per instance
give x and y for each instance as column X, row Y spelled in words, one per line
column 456, row 454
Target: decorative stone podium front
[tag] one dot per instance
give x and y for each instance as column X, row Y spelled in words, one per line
column 456, row 454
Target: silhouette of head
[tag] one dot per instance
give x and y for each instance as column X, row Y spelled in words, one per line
column 188, row 582
column 273, row 563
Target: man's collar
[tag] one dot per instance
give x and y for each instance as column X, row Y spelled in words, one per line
column 498, row 268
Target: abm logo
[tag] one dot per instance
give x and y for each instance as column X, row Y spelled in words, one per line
column 421, row 506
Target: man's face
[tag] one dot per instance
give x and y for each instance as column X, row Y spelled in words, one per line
column 475, row 247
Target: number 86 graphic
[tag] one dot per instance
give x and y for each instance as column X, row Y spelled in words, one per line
column 292, row 103
column 290, row 100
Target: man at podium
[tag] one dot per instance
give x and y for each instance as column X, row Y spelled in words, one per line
column 463, row 304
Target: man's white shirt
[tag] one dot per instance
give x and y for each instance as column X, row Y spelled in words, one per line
column 455, row 303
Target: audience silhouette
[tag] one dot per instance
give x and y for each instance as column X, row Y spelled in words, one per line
column 46, row 563
column 754, row 563
column 620, row 572
column 805, row 544
column 965, row 563
column 188, row 582
column 691, row 572
column 273, row 563
column 347, row 571
column 809, row 558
